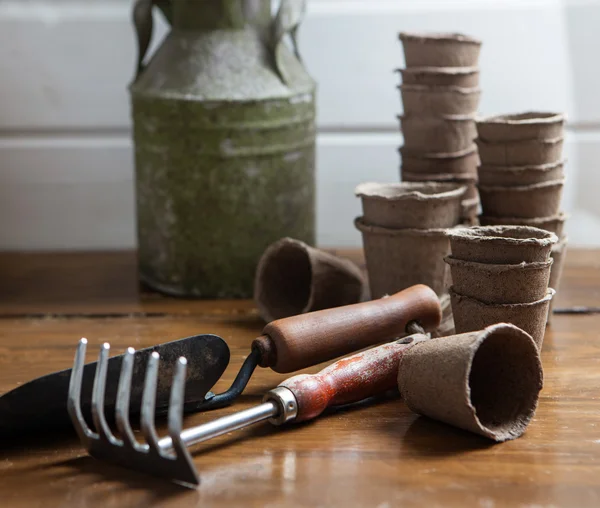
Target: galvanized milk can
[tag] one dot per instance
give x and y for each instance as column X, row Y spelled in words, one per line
column 224, row 133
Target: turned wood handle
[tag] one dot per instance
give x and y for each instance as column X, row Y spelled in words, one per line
column 297, row 342
column 351, row 379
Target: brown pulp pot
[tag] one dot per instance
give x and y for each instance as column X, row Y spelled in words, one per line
column 527, row 201
column 505, row 283
column 471, row 314
column 465, row 77
column 440, row 49
column 501, row 244
column 400, row 258
column 521, row 126
column 430, row 134
column 420, row 205
column 521, row 153
column 439, row 100
column 293, row 278
column 461, row 164
column 514, row 176
column 554, row 224
column 487, row 381
column 558, row 254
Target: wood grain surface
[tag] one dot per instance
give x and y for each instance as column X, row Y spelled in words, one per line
column 375, row 453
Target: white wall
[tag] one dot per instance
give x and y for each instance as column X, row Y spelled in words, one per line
column 65, row 155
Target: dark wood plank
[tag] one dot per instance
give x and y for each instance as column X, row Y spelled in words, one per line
column 376, row 454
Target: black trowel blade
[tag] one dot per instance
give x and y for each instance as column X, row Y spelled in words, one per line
column 42, row 402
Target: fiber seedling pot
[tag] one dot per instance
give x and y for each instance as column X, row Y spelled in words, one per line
column 527, row 201
column 521, row 153
column 521, row 126
column 471, row 314
column 461, row 164
column 554, row 224
column 468, row 180
column 501, row 244
column 400, row 258
column 469, row 214
column 558, row 254
column 420, row 205
column 293, row 278
column 512, row 176
column 449, row 133
column 440, row 50
column 487, row 381
column 491, row 283
column 465, row 77
column 439, row 100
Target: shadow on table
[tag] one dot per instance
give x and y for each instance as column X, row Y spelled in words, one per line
column 429, row 438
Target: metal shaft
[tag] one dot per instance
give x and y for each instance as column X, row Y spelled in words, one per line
column 224, row 425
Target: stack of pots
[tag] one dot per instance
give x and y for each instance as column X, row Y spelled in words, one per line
column 440, row 94
column 500, row 274
column 404, row 228
column 521, row 176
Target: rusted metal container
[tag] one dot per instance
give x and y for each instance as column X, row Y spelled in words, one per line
column 224, row 131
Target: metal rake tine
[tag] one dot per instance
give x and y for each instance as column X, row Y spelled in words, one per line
column 149, row 403
column 98, row 392
column 122, row 403
column 176, row 408
column 74, row 399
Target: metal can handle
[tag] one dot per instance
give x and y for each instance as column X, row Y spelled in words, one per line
column 287, row 20
column 144, row 26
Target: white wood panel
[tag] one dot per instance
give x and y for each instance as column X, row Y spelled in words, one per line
column 77, row 194
column 344, row 161
column 67, row 64
column 582, row 18
column 80, row 194
column 66, row 194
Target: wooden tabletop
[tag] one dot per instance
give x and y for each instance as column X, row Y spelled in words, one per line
column 373, row 454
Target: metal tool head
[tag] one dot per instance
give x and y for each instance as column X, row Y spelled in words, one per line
column 169, row 459
column 42, row 402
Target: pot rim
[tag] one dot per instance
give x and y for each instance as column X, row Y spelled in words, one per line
column 445, row 118
column 550, row 292
column 524, row 118
column 448, row 71
column 543, row 141
column 528, row 167
column 375, row 190
column 434, row 37
column 465, row 152
column 539, row 236
column 498, row 267
column 440, row 89
column 523, row 188
column 560, row 216
column 364, row 227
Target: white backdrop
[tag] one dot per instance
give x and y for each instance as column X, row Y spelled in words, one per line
column 66, row 170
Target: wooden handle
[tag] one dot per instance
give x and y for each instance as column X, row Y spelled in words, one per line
column 351, row 379
column 297, row 342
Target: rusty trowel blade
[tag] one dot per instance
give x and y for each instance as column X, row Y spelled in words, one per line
column 42, row 402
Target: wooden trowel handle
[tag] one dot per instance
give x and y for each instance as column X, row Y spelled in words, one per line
column 297, row 342
column 365, row 374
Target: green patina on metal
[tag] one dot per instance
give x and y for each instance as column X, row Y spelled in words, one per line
column 224, row 131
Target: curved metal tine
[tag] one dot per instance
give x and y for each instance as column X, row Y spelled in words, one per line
column 74, row 399
column 122, row 403
column 176, row 407
column 149, row 404
column 98, row 391
column 186, row 471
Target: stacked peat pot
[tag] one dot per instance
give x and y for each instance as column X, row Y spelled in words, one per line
column 521, row 176
column 404, row 228
column 440, row 94
column 500, row 274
